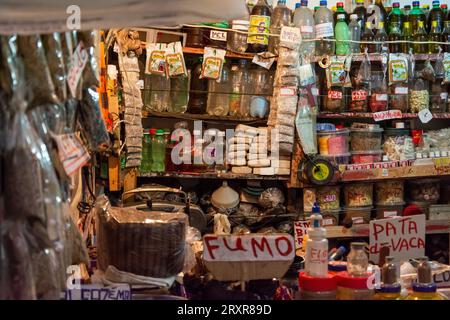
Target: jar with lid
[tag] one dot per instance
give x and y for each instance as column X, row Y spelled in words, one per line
column 312, row 288
column 424, row 190
column 398, row 97
column 353, row 288
column 333, row 142
column 390, row 192
column 237, row 39
column 357, row 260
column 398, row 144
column 419, row 96
column 358, row 194
column 334, row 100
column 366, row 139
column 379, row 97
column 438, row 97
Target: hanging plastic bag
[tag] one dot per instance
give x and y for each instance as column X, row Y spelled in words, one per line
column 156, row 59
column 213, row 60
column 360, row 87
column 398, row 68
column 446, row 66
column 91, row 72
column 175, row 60
column 336, row 74
column 55, row 59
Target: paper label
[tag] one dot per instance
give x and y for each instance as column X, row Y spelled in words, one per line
column 307, row 29
column 218, row 35
column 300, row 231
column 77, row 64
column 328, row 222
column 324, row 30
column 425, row 115
column 385, row 172
column 334, row 94
column 387, row 115
column 359, row 95
column 381, row 97
column 290, row 35
column 358, row 220
column 401, row 90
column 265, row 63
column 444, row 95
column 259, row 25
column 288, row 91
column 71, row 151
column 388, row 214
column 306, row 75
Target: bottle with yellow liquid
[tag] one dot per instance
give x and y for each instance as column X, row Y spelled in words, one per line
column 425, row 288
column 390, row 288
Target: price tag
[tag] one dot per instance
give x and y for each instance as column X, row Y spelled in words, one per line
column 330, row 198
column 306, row 29
column 333, row 94
column 401, row 90
column 359, row 95
column 381, row 97
column 71, row 151
column 263, row 62
column 218, row 35
column 388, row 214
column 288, row 91
column 78, row 62
column 290, row 35
column 328, row 222
column 385, row 172
column 425, row 115
column 387, row 115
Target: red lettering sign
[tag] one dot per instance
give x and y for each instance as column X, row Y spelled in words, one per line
column 335, row 95
column 359, row 95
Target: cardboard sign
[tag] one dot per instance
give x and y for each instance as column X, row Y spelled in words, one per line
column 218, row 35
column 387, row 115
column 404, row 236
column 251, row 247
column 98, row 292
column 77, row 64
column 72, row 152
column 290, row 35
column 300, row 230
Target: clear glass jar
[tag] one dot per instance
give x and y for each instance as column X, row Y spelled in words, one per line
column 419, row 96
column 379, row 97
column 353, row 288
column 438, row 97
column 357, row 260
column 237, row 42
column 398, row 94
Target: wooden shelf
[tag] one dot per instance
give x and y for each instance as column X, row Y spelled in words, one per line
column 365, row 115
column 229, row 54
column 362, row 230
column 187, row 116
column 211, row 175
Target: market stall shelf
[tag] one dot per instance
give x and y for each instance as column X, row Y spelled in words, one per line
column 206, row 117
column 211, row 175
column 364, row 115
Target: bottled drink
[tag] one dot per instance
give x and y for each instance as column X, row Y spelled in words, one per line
column 361, row 12
column 342, row 35
column 436, row 14
column 406, row 10
column 281, row 16
column 179, row 88
column 380, row 14
column 420, row 35
column 416, row 15
column 368, row 36
column 158, row 152
column 446, row 36
column 406, row 36
column 260, row 90
column 219, row 94
column 316, row 258
column 355, row 33
column 260, row 24
column 304, row 19
column 157, row 92
column 425, row 288
column 324, row 29
column 238, row 79
column 380, row 37
column 444, row 9
column 198, row 90
column 237, row 42
column 340, row 10
column 146, row 162
column 395, row 35
column 395, row 16
column 434, row 36
column 426, row 9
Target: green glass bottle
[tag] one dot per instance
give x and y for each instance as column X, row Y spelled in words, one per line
column 416, row 15
column 420, row 35
column 435, row 36
column 406, row 36
column 395, row 16
column 342, row 36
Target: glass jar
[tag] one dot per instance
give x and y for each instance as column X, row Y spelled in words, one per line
column 312, row 288
column 357, row 260
column 438, row 97
column 424, row 190
column 353, row 288
column 389, row 192
column 334, row 100
column 379, row 97
column 419, row 96
column 398, row 97
column 358, row 194
column 237, row 41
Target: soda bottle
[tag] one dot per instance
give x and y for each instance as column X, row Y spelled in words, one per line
column 342, row 35
column 406, row 10
column 179, row 89
column 158, row 152
column 281, row 16
column 340, row 10
column 219, row 94
column 324, row 29
column 361, row 12
column 259, row 24
column 395, row 35
column 198, row 90
column 446, row 36
column 368, row 36
column 238, row 78
column 380, row 37
column 444, row 9
column 396, row 16
column 434, row 36
column 420, row 35
column 157, row 92
column 436, row 14
column 406, row 36
column 146, row 162
column 355, row 33
column 304, row 19
column 416, row 15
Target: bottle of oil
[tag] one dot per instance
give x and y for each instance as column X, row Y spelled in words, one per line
column 424, row 288
column 381, row 37
column 446, row 36
column 395, row 16
column 436, row 14
column 390, row 288
column 420, row 35
column 406, row 36
column 367, row 36
column 416, row 15
column 436, row 36
column 395, row 35
column 259, row 26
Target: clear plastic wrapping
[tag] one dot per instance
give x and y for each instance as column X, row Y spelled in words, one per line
column 91, row 71
column 55, row 59
column 271, row 197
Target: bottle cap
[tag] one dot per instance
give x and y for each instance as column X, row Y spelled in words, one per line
column 436, row 3
column 315, row 208
column 443, row 6
column 353, row 16
column 416, row 3
column 340, row 4
column 396, row 5
column 298, row 5
column 314, row 284
column 407, row 6
column 152, row 131
column 304, row 3
column 159, row 132
column 323, row 3
column 341, row 16
column 359, row 1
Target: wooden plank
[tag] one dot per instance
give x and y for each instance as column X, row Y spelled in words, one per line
column 210, row 175
column 114, row 173
column 297, row 157
column 129, row 180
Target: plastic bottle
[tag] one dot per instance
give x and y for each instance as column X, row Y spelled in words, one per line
column 237, row 82
column 146, row 162
column 361, row 11
column 406, row 10
column 355, row 33
column 304, row 19
column 198, row 91
column 179, row 94
column 260, row 90
column 316, row 259
column 395, row 35
column 436, row 36
column 446, row 36
column 390, row 287
column 367, row 36
column 406, row 36
column 444, row 9
column 158, row 152
column 426, row 9
column 340, row 10
column 245, row 89
column 380, row 37
column 219, row 94
column 436, row 14
column 395, row 17
column 424, row 288
column 416, row 15
column 342, row 35
column 281, row 16
column 380, row 14
column 236, row 41
column 420, row 35
column 157, row 92
column 324, row 29
column 260, row 19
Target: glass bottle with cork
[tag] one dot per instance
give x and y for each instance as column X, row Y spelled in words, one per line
column 390, row 287
column 424, row 288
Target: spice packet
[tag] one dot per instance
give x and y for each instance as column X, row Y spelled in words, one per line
column 156, row 58
column 306, row 75
column 213, row 60
column 446, row 64
column 176, row 65
column 336, row 74
column 398, row 68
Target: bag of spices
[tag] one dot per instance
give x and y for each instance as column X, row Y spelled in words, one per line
column 336, row 72
column 398, row 68
column 213, row 60
column 360, row 87
column 176, row 65
column 91, row 72
column 156, row 59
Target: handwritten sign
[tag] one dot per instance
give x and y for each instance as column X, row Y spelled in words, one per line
column 290, row 35
column 404, row 236
column 71, row 152
column 98, row 292
column 77, row 64
column 387, row 115
column 425, row 115
column 442, row 280
column 300, row 230
column 218, row 35
column 251, row 247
